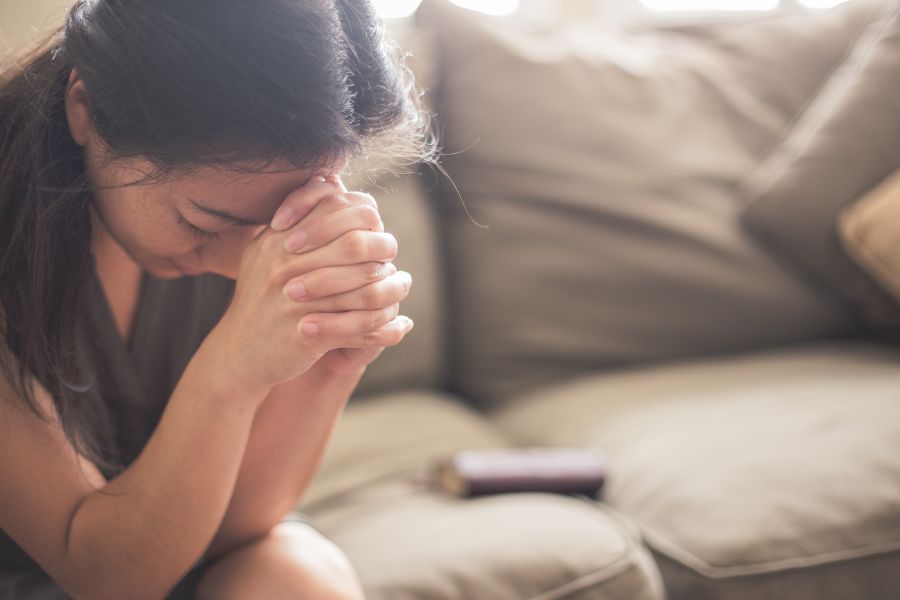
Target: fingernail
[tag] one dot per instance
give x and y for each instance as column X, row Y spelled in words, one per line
column 309, row 328
column 319, row 179
column 282, row 219
column 296, row 241
column 295, row 290
column 408, row 323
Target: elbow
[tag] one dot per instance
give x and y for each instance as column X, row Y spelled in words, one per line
column 136, row 576
column 239, row 534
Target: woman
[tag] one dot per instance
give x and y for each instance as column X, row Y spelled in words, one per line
column 172, row 221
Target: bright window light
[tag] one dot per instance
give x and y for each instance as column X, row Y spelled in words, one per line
column 491, row 7
column 712, row 5
column 821, row 3
column 395, row 9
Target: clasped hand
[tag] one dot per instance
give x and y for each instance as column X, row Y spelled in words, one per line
column 318, row 287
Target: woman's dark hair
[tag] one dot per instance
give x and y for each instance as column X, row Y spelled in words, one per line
column 181, row 83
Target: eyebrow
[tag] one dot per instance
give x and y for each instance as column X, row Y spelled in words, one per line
column 226, row 216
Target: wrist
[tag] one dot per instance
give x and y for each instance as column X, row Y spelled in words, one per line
column 214, row 370
column 328, row 374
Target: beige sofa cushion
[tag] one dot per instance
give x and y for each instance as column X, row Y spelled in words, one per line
column 845, row 143
column 775, row 475
column 410, row 542
column 400, row 433
column 604, row 164
column 870, row 231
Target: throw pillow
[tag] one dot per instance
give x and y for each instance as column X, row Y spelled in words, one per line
column 844, row 143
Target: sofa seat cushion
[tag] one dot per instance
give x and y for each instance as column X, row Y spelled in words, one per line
column 398, row 433
column 758, row 476
column 409, row 541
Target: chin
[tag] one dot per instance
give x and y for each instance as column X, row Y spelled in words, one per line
column 164, row 269
column 165, row 273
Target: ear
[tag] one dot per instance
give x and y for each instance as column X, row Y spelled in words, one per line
column 78, row 109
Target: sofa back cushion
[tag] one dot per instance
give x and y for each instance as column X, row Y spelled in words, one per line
column 598, row 224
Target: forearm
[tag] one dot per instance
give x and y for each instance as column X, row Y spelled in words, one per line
column 147, row 527
column 288, row 440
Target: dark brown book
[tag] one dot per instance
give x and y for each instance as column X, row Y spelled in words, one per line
column 477, row 472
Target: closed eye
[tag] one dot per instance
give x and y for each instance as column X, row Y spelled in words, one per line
column 200, row 234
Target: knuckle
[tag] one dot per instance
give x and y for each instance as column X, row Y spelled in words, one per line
column 371, row 296
column 391, row 245
column 301, row 203
column 347, row 198
column 405, row 283
column 373, row 319
column 374, row 270
column 335, row 201
column 280, row 275
column 355, row 244
column 363, row 197
column 371, row 217
column 268, row 243
column 370, row 199
column 370, row 339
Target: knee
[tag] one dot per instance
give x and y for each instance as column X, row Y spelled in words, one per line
column 318, row 563
column 293, row 561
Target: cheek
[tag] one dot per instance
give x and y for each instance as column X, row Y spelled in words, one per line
column 146, row 234
column 156, row 235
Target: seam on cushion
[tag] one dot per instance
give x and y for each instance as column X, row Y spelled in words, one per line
column 586, row 581
column 606, row 572
column 868, row 46
column 798, row 115
column 662, row 544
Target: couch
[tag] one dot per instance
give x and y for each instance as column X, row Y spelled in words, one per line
column 616, row 258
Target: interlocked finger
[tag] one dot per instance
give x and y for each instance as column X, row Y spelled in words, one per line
column 322, row 283
column 347, row 324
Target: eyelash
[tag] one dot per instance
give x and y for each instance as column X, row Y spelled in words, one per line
column 202, row 234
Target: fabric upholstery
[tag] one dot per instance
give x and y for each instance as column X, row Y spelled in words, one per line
column 397, row 433
column 597, row 223
column 844, row 143
column 408, row 541
column 769, row 475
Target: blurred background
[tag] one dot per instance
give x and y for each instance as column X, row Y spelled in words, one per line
column 22, row 20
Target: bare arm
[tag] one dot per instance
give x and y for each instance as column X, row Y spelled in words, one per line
column 290, row 433
column 139, row 533
column 152, row 522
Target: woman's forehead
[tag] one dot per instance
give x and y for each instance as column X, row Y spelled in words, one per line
column 253, row 195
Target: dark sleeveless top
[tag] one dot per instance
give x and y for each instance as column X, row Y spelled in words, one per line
column 135, row 380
